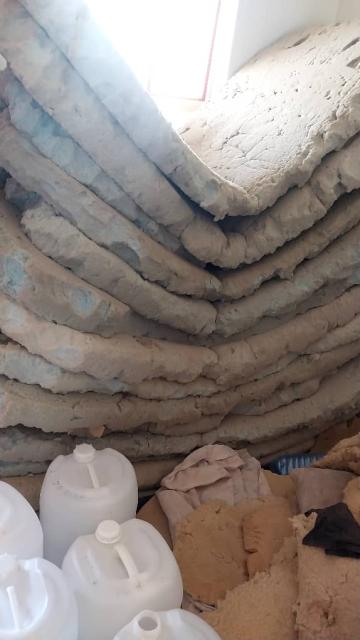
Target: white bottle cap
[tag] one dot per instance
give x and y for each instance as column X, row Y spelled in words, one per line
column 84, row 453
column 108, row 532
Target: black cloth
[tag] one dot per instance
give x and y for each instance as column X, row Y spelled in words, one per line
column 336, row 531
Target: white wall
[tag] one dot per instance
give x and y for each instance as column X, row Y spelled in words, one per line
column 261, row 22
column 247, row 26
column 349, row 9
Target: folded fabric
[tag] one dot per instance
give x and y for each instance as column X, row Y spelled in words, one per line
column 336, row 531
column 214, row 472
column 329, row 587
column 319, row 488
column 344, row 456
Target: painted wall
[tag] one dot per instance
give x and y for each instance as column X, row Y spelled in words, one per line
column 247, row 26
column 349, row 9
column 261, row 22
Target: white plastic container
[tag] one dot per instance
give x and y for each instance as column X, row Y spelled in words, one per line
column 117, row 573
column 79, row 491
column 170, row 625
column 20, row 530
column 35, row 601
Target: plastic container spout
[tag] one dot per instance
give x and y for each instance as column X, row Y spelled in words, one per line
column 147, row 626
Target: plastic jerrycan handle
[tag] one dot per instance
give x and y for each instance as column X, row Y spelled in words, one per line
column 85, row 454
column 5, row 509
column 147, row 626
column 128, row 562
column 19, row 613
column 14, row 607
column 109, row 532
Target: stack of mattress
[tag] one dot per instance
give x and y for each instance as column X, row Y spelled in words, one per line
column 159, row 292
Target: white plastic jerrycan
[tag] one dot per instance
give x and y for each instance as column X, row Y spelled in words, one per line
column 35, row 601
column 20, row 529
column 118, row 572
column 79, row 491
column 170, row 625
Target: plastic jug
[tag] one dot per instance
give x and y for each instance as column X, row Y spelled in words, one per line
column 170, row 625
column 35, row 601
column 118, row 572
column 79, row 491
column 20, row 530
